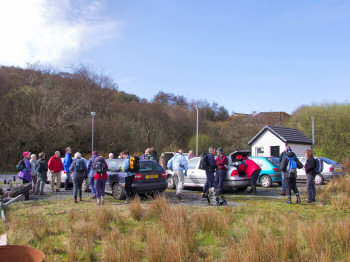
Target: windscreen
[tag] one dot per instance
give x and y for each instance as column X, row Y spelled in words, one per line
column 274, row 160
column 115, row 164
column 329, row 161
column 149, row 166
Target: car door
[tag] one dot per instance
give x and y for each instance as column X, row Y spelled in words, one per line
column 192, row 172
column 301, row 172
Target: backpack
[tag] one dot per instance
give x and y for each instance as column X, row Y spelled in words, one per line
column 204, row 163
column 21, row 165
column 99, row 165
column 80, row 167
column 134, row 164
column 319, row 166
column 292, row 165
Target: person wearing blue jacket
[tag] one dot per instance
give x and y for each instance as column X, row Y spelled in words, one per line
column 91, row 173
column 129, row 176
column 179, row 164
column 66, row 165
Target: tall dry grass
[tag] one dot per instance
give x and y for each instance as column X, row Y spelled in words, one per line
column 337, row 193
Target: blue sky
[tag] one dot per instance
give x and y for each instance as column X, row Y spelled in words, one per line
column 246, row 55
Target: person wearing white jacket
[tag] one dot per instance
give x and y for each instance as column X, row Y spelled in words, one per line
column 179, row 164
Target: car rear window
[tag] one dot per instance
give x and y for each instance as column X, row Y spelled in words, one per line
column 329, row 161
column 274, row 160
column 115, row 164
column 149, row 166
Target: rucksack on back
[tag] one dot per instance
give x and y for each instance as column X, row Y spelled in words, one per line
column 204, row 162
column 319, row 166
column 99, row 165
column 80, row 167
column 134, row 164
column 292, row 165
column 21, row 165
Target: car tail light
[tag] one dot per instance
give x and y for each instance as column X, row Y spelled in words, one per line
column 234, row 173
column 138, row 177
column 276, row 169
column 331, row 169
column 164, row 175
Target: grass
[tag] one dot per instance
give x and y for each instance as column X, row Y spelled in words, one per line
column 258, row 230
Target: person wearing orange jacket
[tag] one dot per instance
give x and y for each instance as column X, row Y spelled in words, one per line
column 251, row 169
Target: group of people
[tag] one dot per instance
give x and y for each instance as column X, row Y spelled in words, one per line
column 35, row 171
column 215, row 164
column 289, row 163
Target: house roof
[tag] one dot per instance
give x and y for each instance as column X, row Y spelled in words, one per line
column 287, row 135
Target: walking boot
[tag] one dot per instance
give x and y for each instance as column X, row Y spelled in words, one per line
column 289, row 201
column 283, row 193
column 98, row 201
column 298, row 199
column 179, row 197
column 93, row 196
column 102, row 201
column 127, row 200
column 75, row 200
column 81, row 198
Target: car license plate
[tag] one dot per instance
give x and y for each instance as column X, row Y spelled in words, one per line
column 151, row 176
column 338, row 170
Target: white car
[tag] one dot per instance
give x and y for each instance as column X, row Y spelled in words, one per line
column 196, row 177
column 329, row 169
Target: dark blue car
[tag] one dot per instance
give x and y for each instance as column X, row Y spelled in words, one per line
column 151, row 178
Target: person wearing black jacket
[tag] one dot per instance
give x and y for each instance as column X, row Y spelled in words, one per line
column 210, row 170
column 310, row 168
column 291, row 175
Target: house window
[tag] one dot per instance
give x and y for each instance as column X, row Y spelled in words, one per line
column 275, row 151
column 259, row 151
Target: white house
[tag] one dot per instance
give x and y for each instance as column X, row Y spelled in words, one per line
column 272, row 140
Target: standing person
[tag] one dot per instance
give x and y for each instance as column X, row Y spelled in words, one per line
column 91, row 174
column 25, row 172
column 42, row 174
column 100, row 168
column 67, row 162
column 147, row 155
column 282, row 156
column 179, row 165
column 55, row 166
column 162, row 161
column 289, row 166
column 190, row 155
column 209, row 171
column 111, row 156
column 154, row 154
column 79, row 172
column 252, row 170
column 221, row 163
column 33, row 166
column 310, row 167
column 129, row 176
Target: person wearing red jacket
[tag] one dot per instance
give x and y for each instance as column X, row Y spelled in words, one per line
column 251, row 169
column 100, row 177
column 55, row 166
column 221, row 163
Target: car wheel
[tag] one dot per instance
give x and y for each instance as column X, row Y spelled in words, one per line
column 118, row 192
column 85, row 185
column 319, row 179
column 171, row 182
column 241, row 189
column 266, row 181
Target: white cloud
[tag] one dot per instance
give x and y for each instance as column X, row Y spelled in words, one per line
column 51, row 31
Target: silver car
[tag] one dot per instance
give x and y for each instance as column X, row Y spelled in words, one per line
column 329, row 169
column 196, row 177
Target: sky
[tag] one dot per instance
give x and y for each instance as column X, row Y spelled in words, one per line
column 246, row 55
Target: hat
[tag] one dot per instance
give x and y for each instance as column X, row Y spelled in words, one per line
column 26, row 153
column 220, row 150
column 94, row 153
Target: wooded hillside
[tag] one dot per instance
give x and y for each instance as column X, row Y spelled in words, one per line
column 45, row 110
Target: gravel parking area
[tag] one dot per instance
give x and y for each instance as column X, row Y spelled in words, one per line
column 191, row 196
